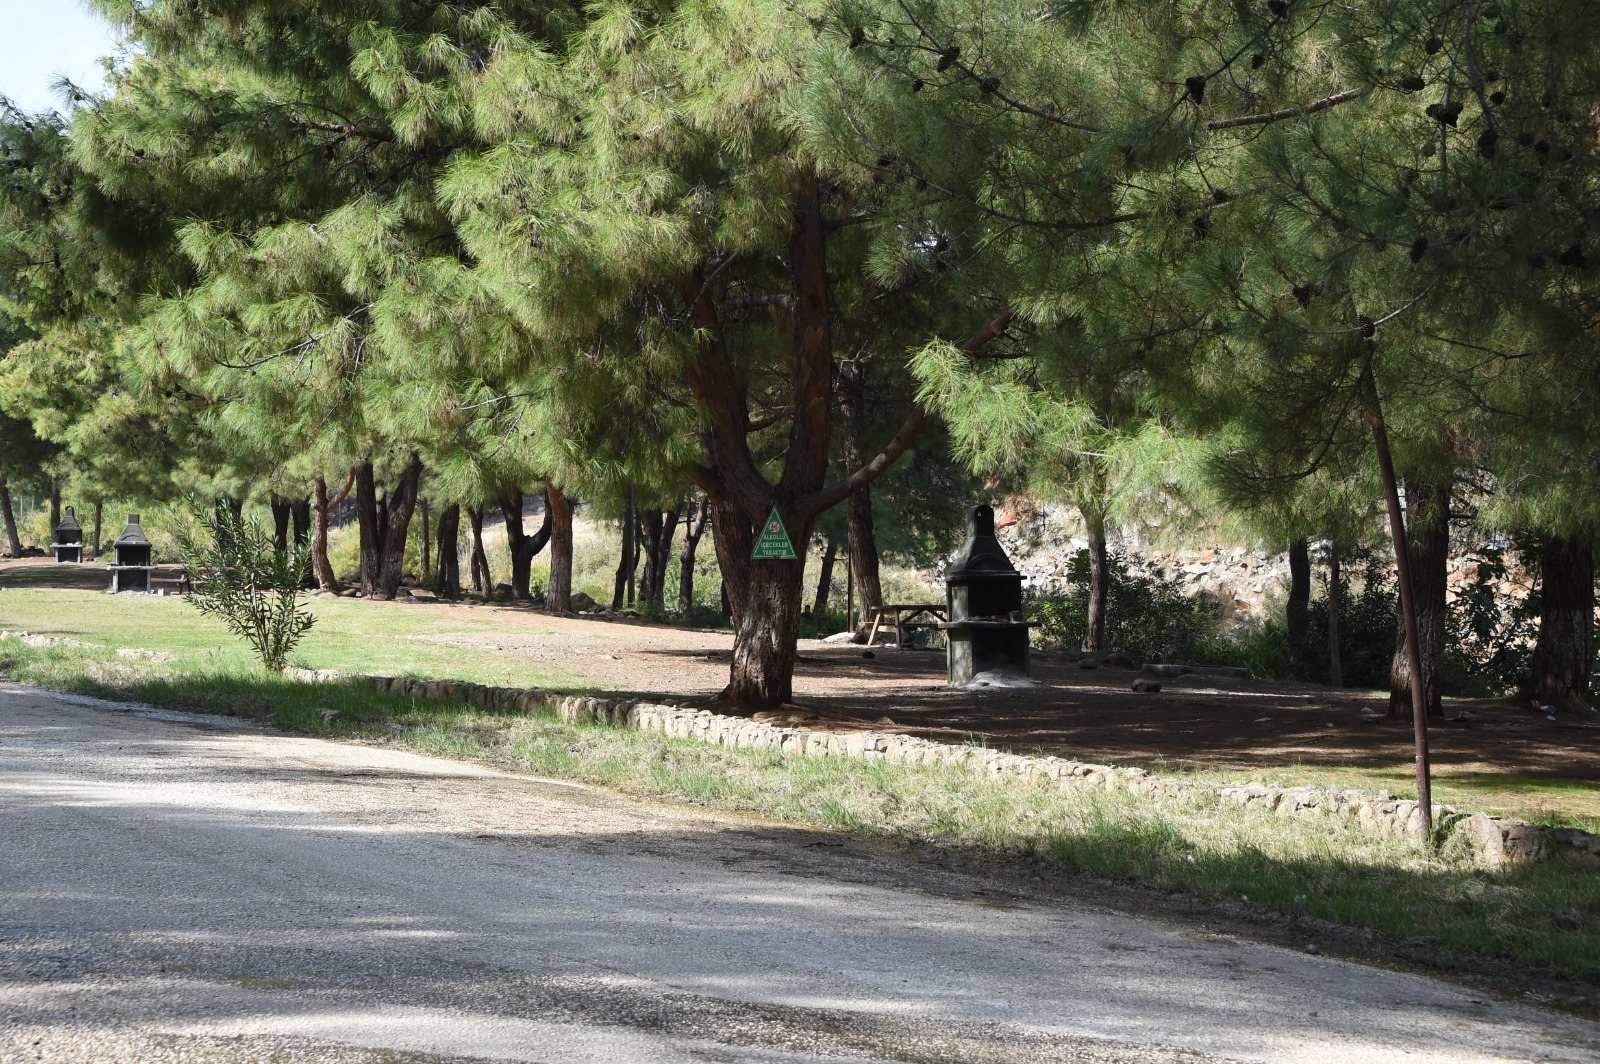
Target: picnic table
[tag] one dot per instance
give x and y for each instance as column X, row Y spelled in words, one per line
column 903, row 616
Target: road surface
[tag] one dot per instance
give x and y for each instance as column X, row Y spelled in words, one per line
column 190, row 889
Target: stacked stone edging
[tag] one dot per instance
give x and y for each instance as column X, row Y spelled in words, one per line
column 1494, row 839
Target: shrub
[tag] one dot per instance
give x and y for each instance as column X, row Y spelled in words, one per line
column 1147, row 616
column 242, row 579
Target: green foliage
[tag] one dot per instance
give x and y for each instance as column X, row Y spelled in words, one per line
column 243, row 580
column 1147, row 615
column 1490, row 636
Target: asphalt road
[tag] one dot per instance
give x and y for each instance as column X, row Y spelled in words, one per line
column 193, row 890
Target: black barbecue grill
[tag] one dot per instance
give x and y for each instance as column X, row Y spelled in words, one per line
column 68, row 546
column 131, row 564
column 985, row 632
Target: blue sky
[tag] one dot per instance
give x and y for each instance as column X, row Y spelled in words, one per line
column 41, row 40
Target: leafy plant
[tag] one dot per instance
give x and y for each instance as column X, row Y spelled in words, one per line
column 242, row 578
column 1147, row 616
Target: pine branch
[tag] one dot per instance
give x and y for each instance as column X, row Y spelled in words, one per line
column 1268, row 117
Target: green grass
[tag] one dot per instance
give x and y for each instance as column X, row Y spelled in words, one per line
column 1537, row 922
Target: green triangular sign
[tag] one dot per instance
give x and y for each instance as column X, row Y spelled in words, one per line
column 774, row 539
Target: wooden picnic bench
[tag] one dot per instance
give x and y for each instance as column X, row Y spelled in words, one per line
column 903, row 616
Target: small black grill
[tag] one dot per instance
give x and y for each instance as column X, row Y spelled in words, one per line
column 985, row 632
column 130, row 565
column 68, row 546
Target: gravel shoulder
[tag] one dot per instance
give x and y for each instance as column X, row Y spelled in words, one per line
column 200, row 890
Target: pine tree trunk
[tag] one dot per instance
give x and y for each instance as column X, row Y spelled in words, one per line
column 765, row 644
column 830, row 553
column 447, row 579
column 733, row 535
column 558, row 592
column 425, row 563
column 280, row 524
column 1297, row 612
column 621, row 592
column 1428, row 542
column 700, row 516
column 99, row 517
column 369, row 526
column 402, row 503
column 1094, row 631
column 1563, row 656
column 300, row 518
column 660, row 527
column 482, row 578
column 524, row 547
column 1335, row 595
column 319, row 542
column 55, row 504
column 12, row 537
column 863, row 558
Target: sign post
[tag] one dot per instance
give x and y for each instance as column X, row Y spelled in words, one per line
column 774, row 542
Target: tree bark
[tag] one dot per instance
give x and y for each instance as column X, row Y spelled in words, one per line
column 524, row 547
column 859, row 530
column 693, row 529
column 13, row 539
column 659, row 527
column 280, row 524
column 1563, row 655
column 55, row 504
column 369, row 526
column 558, row 592
column 622, row 589
column 321, row 567
column 482, row 578
column 1428, row 545
column 448, row 580
column 1297, row 611
column 1335, row 595
column 733, row 536
column 1094, row 631
column 99, row 516
column 830, row 552
column 425, row 562
column 401, row 503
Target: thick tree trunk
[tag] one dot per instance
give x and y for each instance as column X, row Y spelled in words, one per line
column 12, row 538
column 659, row 528
column 1335, row 595
column 693, row 529
column 99, row 517
column 524, row 547
column 863, row 558
column 1428, row 542
column 320, row 566
column 447, row 582
column 482, row 578
column 733, row 535
column 830, row 552
column 558, row 592
column 280, row 524
column 401, row 503
column 622, row 589
column 1094, row 631
column 1563, row 656
column 425, row 563
column 369, row 526
column 765, row 644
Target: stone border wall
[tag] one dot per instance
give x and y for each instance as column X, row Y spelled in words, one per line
column 1495, row 839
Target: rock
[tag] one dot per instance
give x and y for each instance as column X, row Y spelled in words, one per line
column 1147, row 686
column 505, row 592
column 1120, row 658
column 349, row 592
column 839, row 637
column 419, row 595
column 1088, row 663
column 582, row 603
column 1165, row 670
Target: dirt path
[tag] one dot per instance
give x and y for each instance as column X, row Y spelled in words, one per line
column 194, row 890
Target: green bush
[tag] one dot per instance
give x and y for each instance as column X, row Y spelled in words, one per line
column 1147, row 616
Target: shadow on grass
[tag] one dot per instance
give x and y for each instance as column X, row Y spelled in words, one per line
column 1523, row 925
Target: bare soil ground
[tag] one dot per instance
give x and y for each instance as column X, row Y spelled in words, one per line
column 1195, row 721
